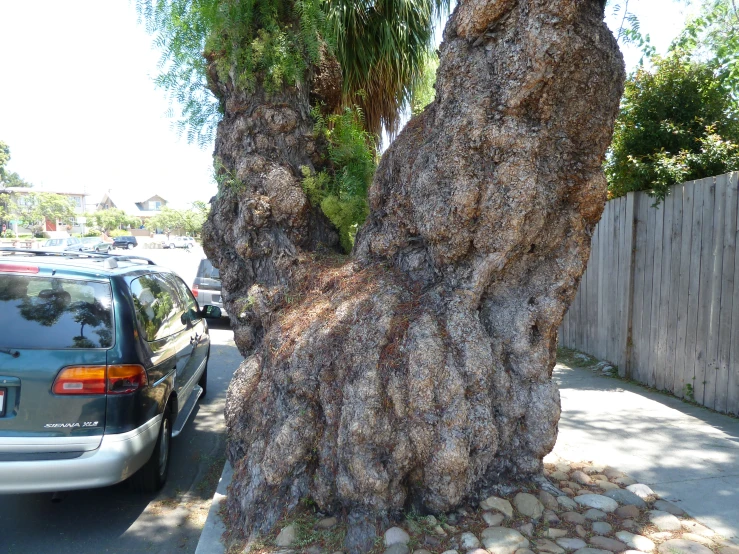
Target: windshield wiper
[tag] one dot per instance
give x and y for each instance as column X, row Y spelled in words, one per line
column 10, row 352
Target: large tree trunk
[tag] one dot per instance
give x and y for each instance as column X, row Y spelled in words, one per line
column 420, row 372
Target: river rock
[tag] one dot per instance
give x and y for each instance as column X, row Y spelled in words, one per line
column 500, row 540
column 598, row 501
column 594, row 514
column 528, row 505
column 641, row 490
column 469, row 541
column 287, row 535
column 396, row 535
column 607, row 544
column 493, row 520
column 569, row 543
column 498, row 504
column 626, row 498
column 664, row 521
column 638, row 542
column 601, row 527
column 669, row 507
column 545, row 545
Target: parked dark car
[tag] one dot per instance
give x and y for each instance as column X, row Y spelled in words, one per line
column 125, row 242
column 207, row 285
column 102, row 360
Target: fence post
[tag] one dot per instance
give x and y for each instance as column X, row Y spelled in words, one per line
column 627, row 296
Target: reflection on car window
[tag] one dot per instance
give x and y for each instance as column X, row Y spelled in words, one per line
column 52, row 313
column 188, row 300
column 158, row 308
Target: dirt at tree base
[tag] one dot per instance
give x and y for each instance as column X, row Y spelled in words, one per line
column 539, row 516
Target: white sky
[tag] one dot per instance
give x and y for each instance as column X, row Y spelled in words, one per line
column 79, row 109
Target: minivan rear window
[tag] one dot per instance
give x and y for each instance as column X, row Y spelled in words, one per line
column 53, row 313
column 207, row 271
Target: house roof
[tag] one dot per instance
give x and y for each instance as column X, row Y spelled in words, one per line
column 130, row 207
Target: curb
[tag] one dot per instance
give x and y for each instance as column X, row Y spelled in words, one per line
column 210, row 538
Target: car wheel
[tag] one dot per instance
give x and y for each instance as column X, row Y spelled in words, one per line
column 153, row 475
column 130, row 245
column 97, row 250
column 172, row 246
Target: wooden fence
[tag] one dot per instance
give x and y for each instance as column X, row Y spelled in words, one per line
column 658, row 298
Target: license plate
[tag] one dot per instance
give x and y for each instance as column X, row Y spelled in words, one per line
column 2, row 401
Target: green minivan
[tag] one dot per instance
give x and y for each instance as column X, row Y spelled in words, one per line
column 102, row 360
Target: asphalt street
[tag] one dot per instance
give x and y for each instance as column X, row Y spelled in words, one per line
column 116, row 519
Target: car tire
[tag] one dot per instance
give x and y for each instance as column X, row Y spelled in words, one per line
column 130, row 246
column 172, row 246
column 97, row 250
column 153, row 475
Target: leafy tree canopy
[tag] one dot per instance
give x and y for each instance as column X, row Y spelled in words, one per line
column 9, row 179
column 714, row 35
column 189, row 221
column 677, row 122
column 113, row 218
column 380, row 45
column 36, row 207
column 4, row 159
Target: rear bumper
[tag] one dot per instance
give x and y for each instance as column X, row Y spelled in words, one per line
column 118, row 457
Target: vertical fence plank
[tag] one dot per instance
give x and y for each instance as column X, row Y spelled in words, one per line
column 714, row 308
column 704, row 293
column 727, row 293
column 612, row 288
column 685, row 364
column 648, row 300
column 732, row 393
column 676, row 206
column 693, row 289
column 627, row 291
column 657, row 228
column 662, row 369
column 640, row 298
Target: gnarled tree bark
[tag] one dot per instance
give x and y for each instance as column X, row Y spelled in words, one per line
column 420, row 371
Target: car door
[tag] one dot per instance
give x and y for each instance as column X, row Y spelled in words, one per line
column 197, row 331
column 160, row 311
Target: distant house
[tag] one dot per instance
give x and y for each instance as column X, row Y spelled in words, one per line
column 143, row 209
column 79, row 199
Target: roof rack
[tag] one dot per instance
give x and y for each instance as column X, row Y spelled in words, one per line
column 75, row 254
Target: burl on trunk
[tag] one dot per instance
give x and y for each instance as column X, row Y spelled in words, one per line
column 420, row 371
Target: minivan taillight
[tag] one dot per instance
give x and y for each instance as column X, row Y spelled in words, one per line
column 195, row 290
column 121, row 379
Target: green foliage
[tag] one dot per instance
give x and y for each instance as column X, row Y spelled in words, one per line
column 381, row 47
column 189, row 222
column 113, row 218
column 629, row 29
column 424, row 92
column 714, row 35
column 4, row 159
column 341, row 189
column 247, row 42
column 119, row 233
column 676, row 123
column 9, row 179
column 35, row 207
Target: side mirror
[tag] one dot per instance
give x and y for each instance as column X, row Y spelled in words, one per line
column 210, row 312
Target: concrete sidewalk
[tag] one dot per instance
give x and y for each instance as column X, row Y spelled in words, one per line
column 687, row 454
